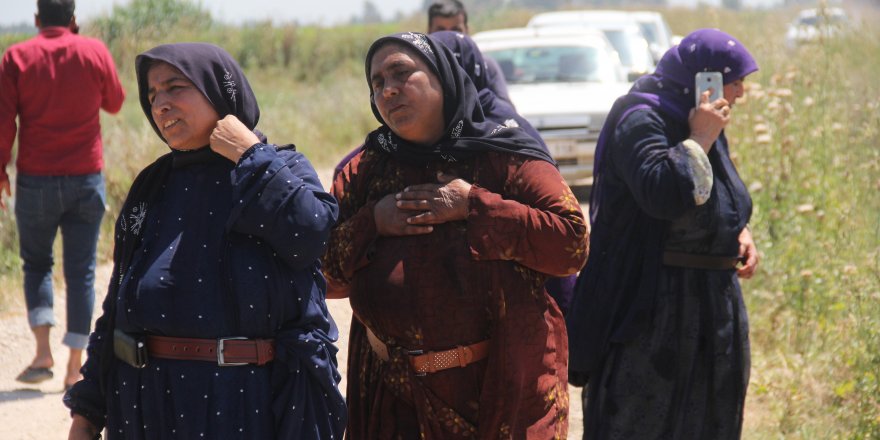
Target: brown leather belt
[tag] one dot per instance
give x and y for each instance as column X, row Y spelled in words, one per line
column 224, row 351
column 433, row 361
column 695, row 261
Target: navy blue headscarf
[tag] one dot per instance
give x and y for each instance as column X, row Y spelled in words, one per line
column 474, row 64
column 468, row 132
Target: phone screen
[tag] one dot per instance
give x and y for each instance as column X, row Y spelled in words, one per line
column 708, row 80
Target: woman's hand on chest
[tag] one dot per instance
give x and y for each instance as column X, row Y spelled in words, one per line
column 414, row 210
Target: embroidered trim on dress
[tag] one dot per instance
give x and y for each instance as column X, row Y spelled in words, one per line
column 701, row 171
column 137, row 216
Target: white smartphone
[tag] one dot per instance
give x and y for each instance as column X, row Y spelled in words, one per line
column 708, row 80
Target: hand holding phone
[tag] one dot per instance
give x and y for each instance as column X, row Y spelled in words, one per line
column 708, row 81
column 707, row 121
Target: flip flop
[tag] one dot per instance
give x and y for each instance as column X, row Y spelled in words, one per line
column 35, row 375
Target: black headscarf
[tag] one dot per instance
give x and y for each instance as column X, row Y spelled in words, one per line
column 471, row 59
column 467, row 132
column 212, row 70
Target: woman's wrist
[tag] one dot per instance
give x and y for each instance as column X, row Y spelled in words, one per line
column 700, row 142
column 82, row 425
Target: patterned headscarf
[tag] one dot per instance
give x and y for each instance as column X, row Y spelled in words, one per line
column 467, row 131
column 212, row 70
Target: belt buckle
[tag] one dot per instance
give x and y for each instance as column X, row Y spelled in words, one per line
column 417, row 353
column 221, row 360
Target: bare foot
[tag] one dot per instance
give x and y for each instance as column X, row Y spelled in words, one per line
column 71, row 379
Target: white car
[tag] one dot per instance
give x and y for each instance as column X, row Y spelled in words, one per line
column 621, row 28
column 563, row 81
column 656, row 31
column 813, row 25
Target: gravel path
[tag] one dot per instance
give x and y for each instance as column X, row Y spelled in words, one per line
column 36, row 412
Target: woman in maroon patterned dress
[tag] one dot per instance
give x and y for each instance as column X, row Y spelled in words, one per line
column 449, row 226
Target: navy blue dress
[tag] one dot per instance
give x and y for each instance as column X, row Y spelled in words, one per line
column 665, row 348
column 228, row 250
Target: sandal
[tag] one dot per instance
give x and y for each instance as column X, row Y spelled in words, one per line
column 35, row 375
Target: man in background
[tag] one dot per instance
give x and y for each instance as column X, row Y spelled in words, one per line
column 450, row 15
column 56, row 83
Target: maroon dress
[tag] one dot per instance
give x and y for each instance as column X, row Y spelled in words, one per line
column 466, row 282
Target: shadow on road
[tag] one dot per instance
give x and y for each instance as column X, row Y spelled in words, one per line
column 25, row 394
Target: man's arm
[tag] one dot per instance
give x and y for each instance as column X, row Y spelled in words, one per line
column 112, row 94
column 8, row 112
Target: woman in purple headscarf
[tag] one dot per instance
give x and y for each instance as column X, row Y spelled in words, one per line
column 658, row 326
column 215, row 324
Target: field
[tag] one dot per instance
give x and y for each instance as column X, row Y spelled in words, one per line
column 804, row 139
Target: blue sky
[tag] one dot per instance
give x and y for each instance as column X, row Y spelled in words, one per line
column 304, row 11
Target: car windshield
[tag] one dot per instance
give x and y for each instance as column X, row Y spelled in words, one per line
column 523, row 65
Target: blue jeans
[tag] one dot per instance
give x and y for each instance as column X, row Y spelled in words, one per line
column 76, row 205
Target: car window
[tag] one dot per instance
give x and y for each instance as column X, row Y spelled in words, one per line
column 650, row 31
column 620, row 42
column 632, row 49
column 554, row 64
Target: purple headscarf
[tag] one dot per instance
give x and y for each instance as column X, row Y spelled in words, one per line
column 670, row 89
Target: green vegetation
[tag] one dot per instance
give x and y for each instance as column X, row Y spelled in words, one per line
column 804, row 140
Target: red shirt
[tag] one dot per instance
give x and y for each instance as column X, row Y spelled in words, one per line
column 56, row 83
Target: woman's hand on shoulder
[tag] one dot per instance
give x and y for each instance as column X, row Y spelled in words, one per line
column 749, row 253
column 81, row 429
column 707, row 120
column 231, row 138
column 436, row 203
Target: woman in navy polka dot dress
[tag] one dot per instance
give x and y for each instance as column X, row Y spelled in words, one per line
column 218, row 239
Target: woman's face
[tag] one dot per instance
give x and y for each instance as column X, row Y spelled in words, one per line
column 408, row 95
column 734, row 90
column 183, row 114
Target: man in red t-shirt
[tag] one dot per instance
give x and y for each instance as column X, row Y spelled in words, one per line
column 56, row 83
